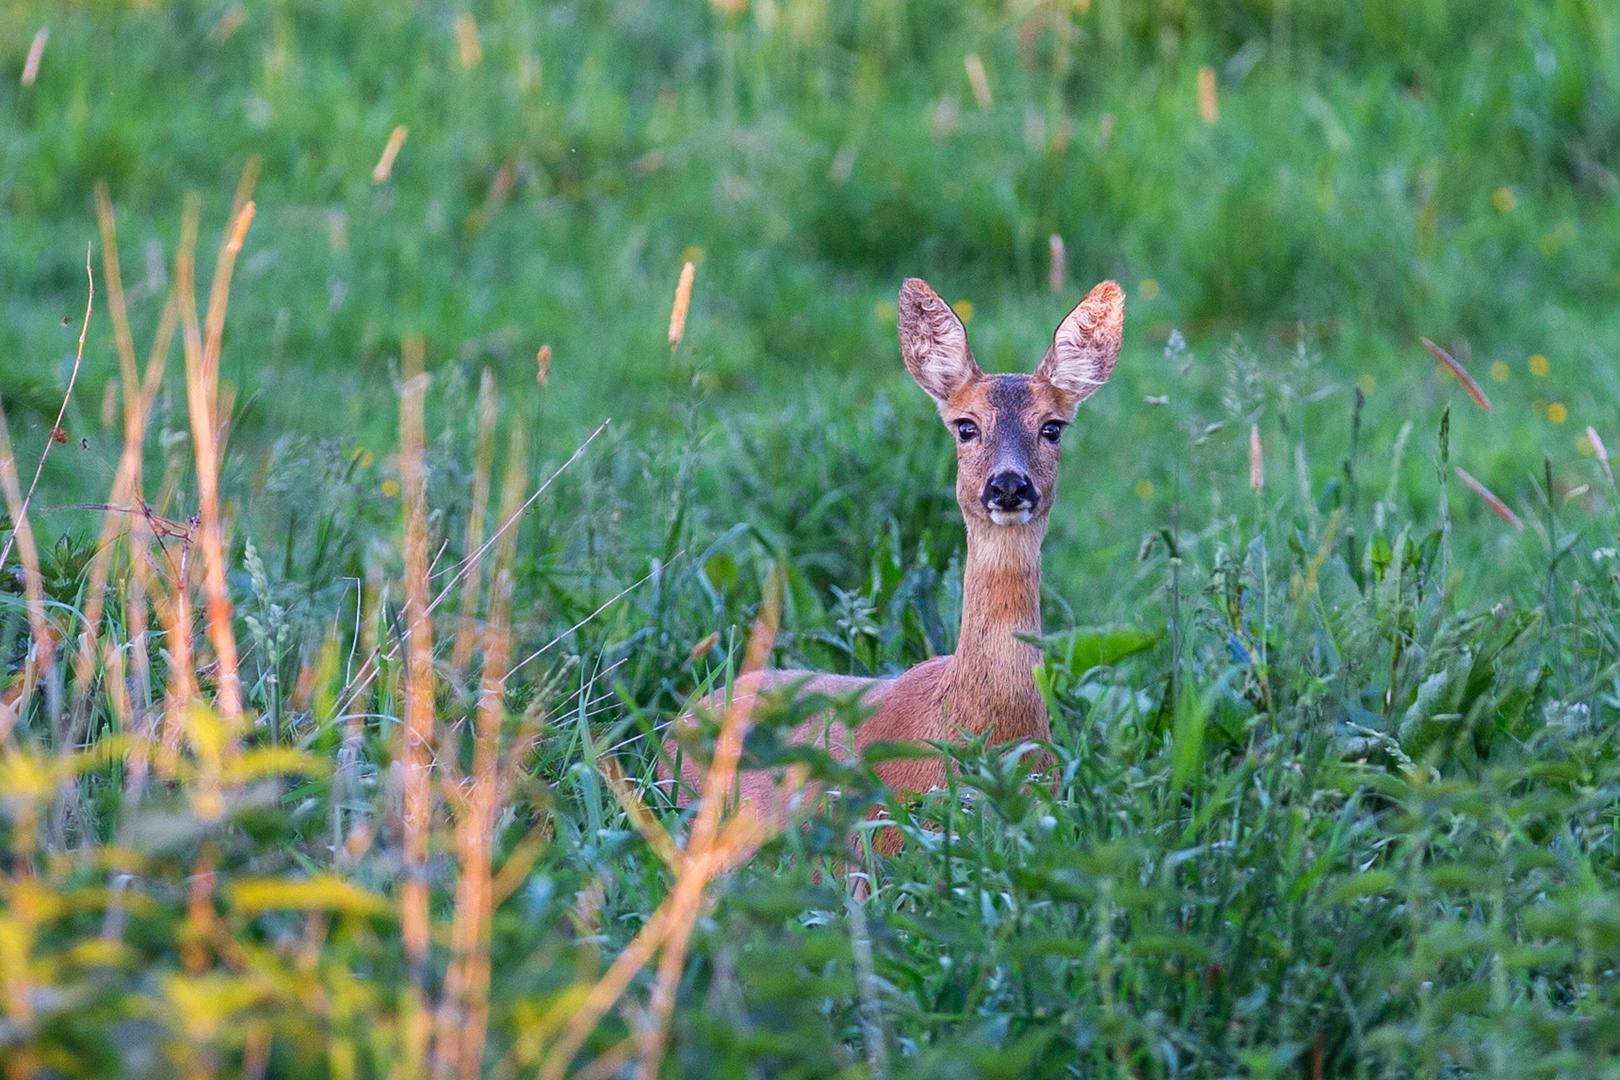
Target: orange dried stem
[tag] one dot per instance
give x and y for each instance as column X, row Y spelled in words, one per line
column 202, row 394
column 418, row 731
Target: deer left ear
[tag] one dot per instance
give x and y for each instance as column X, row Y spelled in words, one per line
column 1085, row 346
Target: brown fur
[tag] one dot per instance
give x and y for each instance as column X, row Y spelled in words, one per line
column 987, row 685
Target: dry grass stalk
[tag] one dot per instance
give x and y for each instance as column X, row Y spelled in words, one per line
column 467, row 982
column 978, row 80
column 1057, row 265
column 385, row 164
column 417, row 753
column 1257, row 461
column 483, row 462
column 1209, row 109
column 73, row 378
column 174, row 604
column 542, row 361
column 36, row 53
column 202, row 348
column 139, row 394
column 1498, row 507
column 683, row 301
column 1459, row 372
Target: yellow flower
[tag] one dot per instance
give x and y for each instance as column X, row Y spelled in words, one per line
column 1501, row 372
column 1557, row 413
column 390, row 488
column 1144, row 489
column 964, row 310
column 1503, row 199
column 1367, row 382
column 1148, row 288
column 1539, row 366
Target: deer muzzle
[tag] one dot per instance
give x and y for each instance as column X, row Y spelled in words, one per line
column 1010, row 498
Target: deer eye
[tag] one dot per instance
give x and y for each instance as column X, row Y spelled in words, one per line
column 967, row 430
column 1052, row 431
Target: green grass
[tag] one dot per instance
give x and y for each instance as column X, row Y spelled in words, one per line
column 1350, row 811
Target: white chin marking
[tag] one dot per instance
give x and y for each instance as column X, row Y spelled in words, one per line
column 1009, row 517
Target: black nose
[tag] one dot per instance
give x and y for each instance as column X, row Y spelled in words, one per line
column 1010, row 491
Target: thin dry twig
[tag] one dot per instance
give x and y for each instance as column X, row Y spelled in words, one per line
column 609, row 602
column 73, row 379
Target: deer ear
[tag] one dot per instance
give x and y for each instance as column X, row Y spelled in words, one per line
column 1085, row 345
column 933, row 342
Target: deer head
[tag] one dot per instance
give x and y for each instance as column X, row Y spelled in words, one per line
column 1008, row 428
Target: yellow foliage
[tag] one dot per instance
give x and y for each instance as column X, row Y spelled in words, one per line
column 328, row 892
column 267, row 761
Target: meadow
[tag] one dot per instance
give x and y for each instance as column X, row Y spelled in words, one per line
column 380, row 526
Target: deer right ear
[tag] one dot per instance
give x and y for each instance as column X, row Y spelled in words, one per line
column 1085, row 346
column 933, row 342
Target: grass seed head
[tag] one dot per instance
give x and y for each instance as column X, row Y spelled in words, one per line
column 1460, row 373
column 1498, row 507
column 385, row 164
column 36, row 53
column 1601, row 451
column 1257, row 461
column 683, row 301
column 1209, row 109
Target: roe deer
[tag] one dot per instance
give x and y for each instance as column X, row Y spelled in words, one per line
column 1007, row 430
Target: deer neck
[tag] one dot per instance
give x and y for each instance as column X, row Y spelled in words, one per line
column 989, row 685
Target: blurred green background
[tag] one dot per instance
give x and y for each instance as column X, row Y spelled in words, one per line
column 1373, row 172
